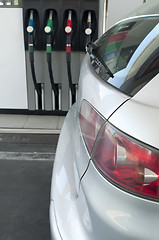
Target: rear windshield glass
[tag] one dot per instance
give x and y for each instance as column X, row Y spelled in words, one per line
column 117, row 47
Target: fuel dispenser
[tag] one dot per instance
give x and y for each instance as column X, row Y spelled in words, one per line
column 55, row 43
column 46, row 42
column 51, row 36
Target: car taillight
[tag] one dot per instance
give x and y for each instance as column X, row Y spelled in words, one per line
column 90, row 122
column 124, row 161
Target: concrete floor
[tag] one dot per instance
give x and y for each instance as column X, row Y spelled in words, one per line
column 30, row 123
column 26, row 162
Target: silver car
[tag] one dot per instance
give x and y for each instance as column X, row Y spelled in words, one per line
column 105, row 181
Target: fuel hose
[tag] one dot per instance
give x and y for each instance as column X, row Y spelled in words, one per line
column 30, row 30
column 68, row 31
column 49, row 31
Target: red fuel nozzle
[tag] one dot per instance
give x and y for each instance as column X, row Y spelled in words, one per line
column 68, row 28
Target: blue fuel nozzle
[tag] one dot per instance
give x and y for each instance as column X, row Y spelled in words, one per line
column 30, row 27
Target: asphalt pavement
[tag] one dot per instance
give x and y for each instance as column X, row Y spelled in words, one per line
column 25, row 179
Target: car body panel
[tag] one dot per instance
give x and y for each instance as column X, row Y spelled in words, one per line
column 96, row 91
column 65, row 157
column 96, row 209
column 55, row 234
column 65, row 181
column 116, row 214
column 139, row 116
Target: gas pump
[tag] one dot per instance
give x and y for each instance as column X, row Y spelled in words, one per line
column 57, row 34
column 64, row 29
column 46, row 45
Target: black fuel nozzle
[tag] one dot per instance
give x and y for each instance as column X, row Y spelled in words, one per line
column 88, row 30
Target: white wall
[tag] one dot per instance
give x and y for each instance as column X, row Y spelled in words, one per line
column 119, row 9
column 13, row 93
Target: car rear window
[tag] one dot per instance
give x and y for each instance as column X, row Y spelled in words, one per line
column 117, row 48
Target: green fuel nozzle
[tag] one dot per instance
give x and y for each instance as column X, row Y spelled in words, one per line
column 49, row 26
column 49, row 30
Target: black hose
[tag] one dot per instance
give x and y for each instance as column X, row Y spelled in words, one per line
column 31, row 58
column 36, row 85
column 53, row 85
column 88, row 39
column 71, row 85
column 68, row 60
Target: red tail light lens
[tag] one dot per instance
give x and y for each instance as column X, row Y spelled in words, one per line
column 124, row 161
column 90, row 122
column 127, row 163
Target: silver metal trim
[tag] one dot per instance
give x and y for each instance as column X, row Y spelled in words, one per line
column 76, row 89
column 51, row 14
column 42, row 95
column 149, row 176
column 136, row 17
column 105, row 17
column 60, row 96
column 36, row 100
column 30, row 131
column 70, row 98
column 53, row 100
column 31, row 14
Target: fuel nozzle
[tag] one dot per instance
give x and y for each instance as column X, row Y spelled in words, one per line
column 49, row 30
column 88, row 30
column 68, row 28
column 49, row 26
column 68, row 31
column 30, row 30
column 30, row 27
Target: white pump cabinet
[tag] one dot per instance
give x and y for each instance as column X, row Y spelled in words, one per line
column 13, row 92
